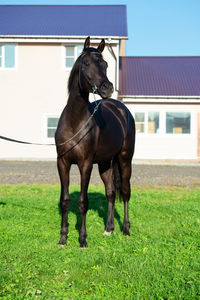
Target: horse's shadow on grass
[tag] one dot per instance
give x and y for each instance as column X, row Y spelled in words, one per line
column 97, row 202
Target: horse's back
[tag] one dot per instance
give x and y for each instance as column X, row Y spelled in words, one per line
column 115, row 127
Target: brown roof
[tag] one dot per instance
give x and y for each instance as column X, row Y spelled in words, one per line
column 159, row 76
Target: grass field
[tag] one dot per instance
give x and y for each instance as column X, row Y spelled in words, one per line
column 160, row 260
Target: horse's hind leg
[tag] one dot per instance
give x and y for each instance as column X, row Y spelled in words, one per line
column 126, row 167
column 85, row 170
column 105, row 171
column 63, row 169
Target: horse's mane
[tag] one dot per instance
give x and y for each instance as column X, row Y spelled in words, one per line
column 73, row 72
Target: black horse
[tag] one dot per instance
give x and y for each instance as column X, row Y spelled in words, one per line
column 85, row 137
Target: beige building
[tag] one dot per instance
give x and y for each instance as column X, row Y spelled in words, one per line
column 163, row 94
column 35, row 64
column 38, row 46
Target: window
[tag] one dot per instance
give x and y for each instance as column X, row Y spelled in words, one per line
column 153, row 122
column 52, row 124
column 7, row 56
column 147, row 122
column 178, row 122
column 71, row 54
column 140, row 122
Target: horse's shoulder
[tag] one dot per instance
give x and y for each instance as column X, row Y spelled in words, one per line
column 114, row 102
column 115, row 105
column 111, row 106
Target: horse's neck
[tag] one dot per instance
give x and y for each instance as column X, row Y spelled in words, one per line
column 77, row 106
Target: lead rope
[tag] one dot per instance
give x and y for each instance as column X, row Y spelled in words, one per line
column 94, row 89
column 84, row 125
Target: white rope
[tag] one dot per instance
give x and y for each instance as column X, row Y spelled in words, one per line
column 64, row 143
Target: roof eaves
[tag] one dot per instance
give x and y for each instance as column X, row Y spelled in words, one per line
column 156, row 97
column 64, row 36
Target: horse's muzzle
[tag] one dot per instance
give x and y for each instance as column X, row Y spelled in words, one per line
column 106, row 89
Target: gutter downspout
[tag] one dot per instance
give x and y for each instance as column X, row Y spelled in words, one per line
column 116, row 63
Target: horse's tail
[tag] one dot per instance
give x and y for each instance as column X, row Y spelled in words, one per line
column 117, row 178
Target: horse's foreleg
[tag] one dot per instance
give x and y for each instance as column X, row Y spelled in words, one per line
column 63, row 169
column 105, row 172
column 85, row 170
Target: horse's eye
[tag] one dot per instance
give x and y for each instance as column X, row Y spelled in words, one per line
column 86, row 63
column 97, row 59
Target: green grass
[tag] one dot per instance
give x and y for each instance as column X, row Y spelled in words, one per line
column 160, row 260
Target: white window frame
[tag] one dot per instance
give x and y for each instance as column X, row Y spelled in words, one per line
column 162, row 123
column 179, row 134
column 2, row 67
column 147, row 122
column 143, row 112
column 45, row 126
column 64, row 54
column 146, row 114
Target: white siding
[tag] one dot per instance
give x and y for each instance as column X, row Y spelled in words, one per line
column 35, row 89
column 162, row 145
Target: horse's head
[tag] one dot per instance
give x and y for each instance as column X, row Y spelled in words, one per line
column 92, row 72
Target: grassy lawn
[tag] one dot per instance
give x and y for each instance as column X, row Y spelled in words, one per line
column 160, row 260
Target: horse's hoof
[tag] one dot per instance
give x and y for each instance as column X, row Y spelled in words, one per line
column 107, row 233
column 126, row 232
column 83, row 245
column 62, row 241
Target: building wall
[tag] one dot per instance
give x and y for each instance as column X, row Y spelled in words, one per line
column 198, row 133
column 122, row 51
column 35, row 89
column 163, row 145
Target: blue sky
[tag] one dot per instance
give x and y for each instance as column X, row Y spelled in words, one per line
column 155, row 27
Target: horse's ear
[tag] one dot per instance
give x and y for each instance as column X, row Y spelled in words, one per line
column 101, row 46
column 87, row 43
